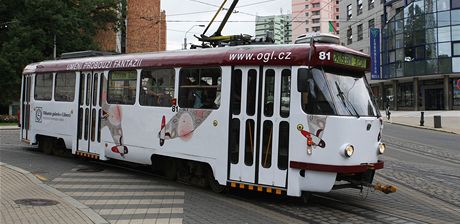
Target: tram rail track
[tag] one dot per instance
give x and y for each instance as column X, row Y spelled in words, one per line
column 325, row 202
column 428, row 151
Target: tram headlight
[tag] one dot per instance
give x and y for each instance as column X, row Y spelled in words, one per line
column 381, row 148
column 349, row 150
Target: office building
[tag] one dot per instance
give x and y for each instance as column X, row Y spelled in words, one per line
column 277, row 28
column 314, row 16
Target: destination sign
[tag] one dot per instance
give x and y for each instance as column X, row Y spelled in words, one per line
column 349, row 60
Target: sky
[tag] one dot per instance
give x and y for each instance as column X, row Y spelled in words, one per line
column 200, row 12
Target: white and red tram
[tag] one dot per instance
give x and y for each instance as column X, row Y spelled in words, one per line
column 264, row 118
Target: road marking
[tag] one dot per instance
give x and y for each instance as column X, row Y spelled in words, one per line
column 40, row 177
column 127, row 193
column 86, row 180
column 134, row 202
column 110, row 186
column 134, row 211
column 123, row 198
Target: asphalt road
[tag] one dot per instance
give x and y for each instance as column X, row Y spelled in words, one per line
column 424, row 136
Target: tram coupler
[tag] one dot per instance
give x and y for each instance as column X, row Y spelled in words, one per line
column 384, row 188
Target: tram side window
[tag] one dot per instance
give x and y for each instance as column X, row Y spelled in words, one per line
column 200, row 88
column 317, row 99
column 122, row 87
column 285, row 92
column 43, row 86
column 157, row 87
column 64, row 87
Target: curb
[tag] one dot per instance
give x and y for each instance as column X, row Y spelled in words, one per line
column 423, row 127
column 90, row 213
column 9, row 128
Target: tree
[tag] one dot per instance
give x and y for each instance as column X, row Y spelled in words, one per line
column 28, row 29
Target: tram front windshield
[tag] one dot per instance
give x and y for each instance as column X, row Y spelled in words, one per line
column 336, row 93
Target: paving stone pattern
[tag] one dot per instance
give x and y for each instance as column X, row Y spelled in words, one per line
column 123, row 198
column 16, row 186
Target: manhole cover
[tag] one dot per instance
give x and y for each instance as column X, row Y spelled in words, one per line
column 90, row 170
column 36, row 202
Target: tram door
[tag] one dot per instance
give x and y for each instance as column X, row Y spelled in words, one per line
column 25, row 113
column 259, row 126
column 89, row 112
column 274, row 126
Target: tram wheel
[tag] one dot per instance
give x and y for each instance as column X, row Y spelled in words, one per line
column 306, row 196
column 59, row 148
column 46, row 145
column 169, row 169
column 214, row 184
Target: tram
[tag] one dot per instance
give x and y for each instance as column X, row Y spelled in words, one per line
column 283, row 119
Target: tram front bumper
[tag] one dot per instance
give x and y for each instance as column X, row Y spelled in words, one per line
column 361, row 168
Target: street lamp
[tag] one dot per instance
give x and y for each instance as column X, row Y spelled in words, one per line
column 185, row 37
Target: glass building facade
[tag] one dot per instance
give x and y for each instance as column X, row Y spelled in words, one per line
column 421, row 52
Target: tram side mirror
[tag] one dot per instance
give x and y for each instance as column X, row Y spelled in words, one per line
column 303, row 75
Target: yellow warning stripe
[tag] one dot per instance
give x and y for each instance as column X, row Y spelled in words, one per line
column 259, row 188
column 87, row 155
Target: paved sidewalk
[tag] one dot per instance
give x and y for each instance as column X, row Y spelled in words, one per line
column 17, row 184
column 450, row 120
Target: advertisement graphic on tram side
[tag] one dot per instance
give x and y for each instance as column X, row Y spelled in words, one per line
column 182, row 125
column 315, row 132
column 112, row 117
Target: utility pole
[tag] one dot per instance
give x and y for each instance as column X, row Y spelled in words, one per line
column 54, row 46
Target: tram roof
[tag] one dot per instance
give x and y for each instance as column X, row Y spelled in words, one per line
column 255, row 55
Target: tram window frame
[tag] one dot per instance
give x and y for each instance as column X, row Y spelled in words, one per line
column 127, row 97
column 64, row 92
column 195, row 89
column 236, row 87
column 269, row 92
column 157, row 95
column 43, row 88
column 286, row 81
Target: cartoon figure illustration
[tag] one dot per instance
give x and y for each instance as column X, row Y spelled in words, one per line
column 316, row 126
column 182, row 125
column 111, row 118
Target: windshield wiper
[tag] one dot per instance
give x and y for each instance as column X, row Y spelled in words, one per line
column 345, row 100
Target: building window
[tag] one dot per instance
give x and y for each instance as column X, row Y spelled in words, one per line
column 455, row 4
column 306, row 14
column 370, row 4
column 65, row 87
column 307, row 30
column 307, row 6
column 315, row 13
column 157, row 87
column 456, row 49
column 359, row 9
column 406, row 95
column 315, row 20
column 360, row 32
column 443, row 5
column 316, row 29
column 349, row 36
column 349, row 12
column 315, row 5
column 200, row 88
column 306, row 21
column 43, row 86
column 371, row 23
column 122, row 87
column 456, row 92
